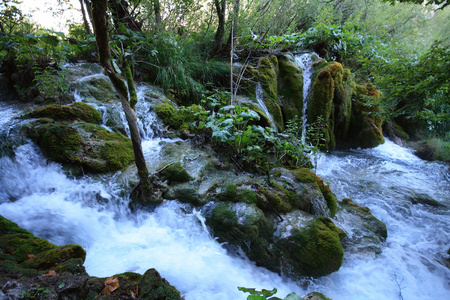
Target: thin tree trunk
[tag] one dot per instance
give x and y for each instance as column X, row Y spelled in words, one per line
column 85, row 21
column 157, row 10
column 120, row 14
column 89, row 11
column 218, row 38
column 99, row 8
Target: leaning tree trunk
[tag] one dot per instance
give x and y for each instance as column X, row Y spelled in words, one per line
column 100, row 18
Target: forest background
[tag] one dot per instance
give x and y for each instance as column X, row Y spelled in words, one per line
column 187, row 48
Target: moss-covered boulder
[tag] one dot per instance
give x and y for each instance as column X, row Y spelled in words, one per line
column 53, row 257
column 312, row 250
column 290, row 87
column 245, row 226
column 365, row 129
column 76, row 111
column 90, row 146
column 351, row 117
column 131, row 285
column 304, row 190
column 267, row 73
column 367, row 233
column 175, row 173
column 330, row 101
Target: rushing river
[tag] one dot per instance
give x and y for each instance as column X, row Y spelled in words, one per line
column 92, row 211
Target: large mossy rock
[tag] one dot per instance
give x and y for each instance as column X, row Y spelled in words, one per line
column 290, row 87
column 366, row 123
column 75, row 111
column 90, row 146
column 330, row 101
column 131, row 285
column 33, row 268
column 311, row 248
column 346, row 109
column 267, row 73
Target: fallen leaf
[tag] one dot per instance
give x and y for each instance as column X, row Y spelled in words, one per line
column 111, row 284
column 50, row 273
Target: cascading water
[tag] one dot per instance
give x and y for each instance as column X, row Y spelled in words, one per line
column 305, row 61
column 260, row 98
column 387, row 179
column 92, row 211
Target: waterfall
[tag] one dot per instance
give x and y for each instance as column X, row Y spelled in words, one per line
column 92, row 211
column 305, row 61
column 260, row 98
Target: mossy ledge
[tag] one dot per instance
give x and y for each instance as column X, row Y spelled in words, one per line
column 90, row 146
column 75, row 111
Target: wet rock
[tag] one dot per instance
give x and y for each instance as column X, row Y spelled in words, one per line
column 365, row 233
column 316, row 296
column 421, row 198
column 309, row 248
column 75, row 111
column 175, row 173
column 290, row 87
column 91, row 146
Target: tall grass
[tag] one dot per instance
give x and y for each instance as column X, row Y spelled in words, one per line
column 178, row 66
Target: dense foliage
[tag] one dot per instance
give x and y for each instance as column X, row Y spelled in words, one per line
column 401, row 47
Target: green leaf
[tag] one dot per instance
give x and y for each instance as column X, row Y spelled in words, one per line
column 49, row 40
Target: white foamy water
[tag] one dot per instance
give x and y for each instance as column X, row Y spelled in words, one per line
column 411, row 265
column 92, row 211
column 305, row 61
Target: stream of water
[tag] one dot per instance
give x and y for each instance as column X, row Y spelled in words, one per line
column 305, row 61
column 92, row 211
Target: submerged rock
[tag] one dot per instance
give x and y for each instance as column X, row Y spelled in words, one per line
column 365, row 233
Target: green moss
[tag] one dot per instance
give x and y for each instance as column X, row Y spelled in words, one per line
column 330, row 101
column 290, row 87
column 91, row 146
column 248, row 196
column 176, row 173
column 153, row 287
column 229, row 193
column 169, row 115
column 307, row 176
column 72, row 265
column 58, row 140
column 21, row 245
column 75, row 111
column 52, row 257
column 317, row 247
column 267, row 73
column 278, row 197
column 11, row 267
